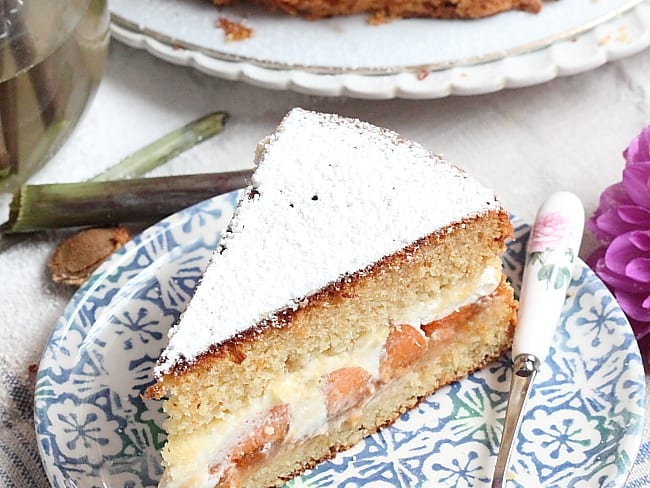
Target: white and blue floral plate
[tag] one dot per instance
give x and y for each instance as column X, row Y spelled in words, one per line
column 582, row 427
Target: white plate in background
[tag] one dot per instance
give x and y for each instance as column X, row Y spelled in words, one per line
column 406, row 58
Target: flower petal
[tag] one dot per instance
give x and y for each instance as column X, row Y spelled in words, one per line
column 620, row 252
column 614, row 196
column 638, row 269
column 636, row 180
column 639, row 147
column 617, row 281
column 635, row 215
column 610, row 224
column 632, row 305
column 641, row 239
column 611, row 198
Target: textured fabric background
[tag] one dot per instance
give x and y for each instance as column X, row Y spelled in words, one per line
column 20, row 463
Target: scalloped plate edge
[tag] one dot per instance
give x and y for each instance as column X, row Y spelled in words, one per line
column 622, row 36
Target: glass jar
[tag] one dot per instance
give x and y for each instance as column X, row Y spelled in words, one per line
column 52, row 57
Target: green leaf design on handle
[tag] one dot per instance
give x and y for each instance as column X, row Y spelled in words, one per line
column 545, row 272
column 563, row 276
column 535, row 257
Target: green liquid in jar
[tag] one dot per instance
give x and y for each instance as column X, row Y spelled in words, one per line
column 50, row 66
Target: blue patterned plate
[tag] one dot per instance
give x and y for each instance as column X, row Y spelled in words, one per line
column 582, row 427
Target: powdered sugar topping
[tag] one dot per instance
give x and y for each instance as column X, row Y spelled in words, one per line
column 330, row 196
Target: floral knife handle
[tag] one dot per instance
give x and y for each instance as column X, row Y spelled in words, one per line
column 552, row 248
column 553, row 245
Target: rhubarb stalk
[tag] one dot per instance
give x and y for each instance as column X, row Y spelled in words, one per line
column 41, row 207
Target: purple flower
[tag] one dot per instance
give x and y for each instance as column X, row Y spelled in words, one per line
column 622, row 224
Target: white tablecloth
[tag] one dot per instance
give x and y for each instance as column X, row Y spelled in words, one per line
column 524, row 143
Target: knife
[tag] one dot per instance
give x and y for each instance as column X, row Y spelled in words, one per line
column 552, row 248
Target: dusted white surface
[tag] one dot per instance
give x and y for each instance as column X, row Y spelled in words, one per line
column 524, row 143
column 516, row 35
column 318, row 177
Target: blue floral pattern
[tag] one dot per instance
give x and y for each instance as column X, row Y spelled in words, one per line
column 582, row 427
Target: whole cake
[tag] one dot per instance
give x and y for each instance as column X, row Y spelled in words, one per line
column 463, row 9
column 359, row 274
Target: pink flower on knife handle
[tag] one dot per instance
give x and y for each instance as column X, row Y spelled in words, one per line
column 551, row 231
column 551, row 249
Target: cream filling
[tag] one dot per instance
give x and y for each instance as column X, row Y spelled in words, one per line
column 449, row 299
column 307, row 406
column 196, row 453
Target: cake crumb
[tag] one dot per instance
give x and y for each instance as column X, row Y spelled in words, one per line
column 379, row 18
column 623, row 36
column 234, row 31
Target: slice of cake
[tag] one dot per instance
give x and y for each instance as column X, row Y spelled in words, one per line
column 359, row 274
column 465, row 9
